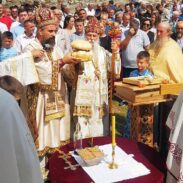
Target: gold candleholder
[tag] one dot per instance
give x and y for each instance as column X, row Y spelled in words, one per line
column 113, row 165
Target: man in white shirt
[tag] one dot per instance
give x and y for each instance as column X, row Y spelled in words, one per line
column 125, row 22
column 83, row 15
column 133, row 41
column 58, row 13
column 14, row 13
column 90, row 10
column 24, row 39
column 119, row 17
column 3, row 27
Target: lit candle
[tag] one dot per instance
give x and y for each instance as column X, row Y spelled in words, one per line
column 113, row 130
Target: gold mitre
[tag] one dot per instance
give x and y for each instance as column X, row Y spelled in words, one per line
column 44, row 17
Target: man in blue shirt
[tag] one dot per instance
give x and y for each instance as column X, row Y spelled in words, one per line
column 79, row 34
column 17, row 28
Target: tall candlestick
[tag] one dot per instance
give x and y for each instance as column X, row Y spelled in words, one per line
column 113, row 130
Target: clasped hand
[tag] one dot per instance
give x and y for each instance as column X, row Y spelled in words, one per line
column 115, row 45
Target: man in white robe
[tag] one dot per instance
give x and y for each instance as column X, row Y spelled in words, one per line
column 40, row 67
column 19, row 160
column 175, row 153
column 91, row 111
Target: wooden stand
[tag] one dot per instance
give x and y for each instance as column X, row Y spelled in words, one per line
column 138, row 96
column 142, row 123
column 141, row 103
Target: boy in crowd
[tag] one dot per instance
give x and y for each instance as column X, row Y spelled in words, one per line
column 7, row 50
column 143, row 64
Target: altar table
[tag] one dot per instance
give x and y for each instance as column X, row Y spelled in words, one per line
column 142, row 153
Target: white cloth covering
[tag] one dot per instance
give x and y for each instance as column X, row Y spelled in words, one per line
column 22, row 41
column 128, row 167
column 21, row 67
column 18, row 157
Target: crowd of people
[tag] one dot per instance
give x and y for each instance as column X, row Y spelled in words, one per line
column 59, row 91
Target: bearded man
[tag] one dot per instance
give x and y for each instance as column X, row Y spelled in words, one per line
column 48, row 100
column 46, row 104
column 178, row 35
column 91, row 101
column 166, row 59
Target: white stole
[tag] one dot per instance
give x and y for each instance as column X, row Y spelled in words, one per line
column 175, row 153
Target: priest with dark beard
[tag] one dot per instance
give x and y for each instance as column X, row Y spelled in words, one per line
column 40, row 68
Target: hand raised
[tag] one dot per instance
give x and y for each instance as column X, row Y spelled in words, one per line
column 115, row 45
column 131, row 32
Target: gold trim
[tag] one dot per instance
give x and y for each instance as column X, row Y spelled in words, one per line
column 102, row 111
column 55, row 71
column 54, row 116
column 82, row 111
column 32, row 97
column 48, row 22
column 48, row 150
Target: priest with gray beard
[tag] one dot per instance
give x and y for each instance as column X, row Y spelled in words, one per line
column 90, row 106
column 166, row 59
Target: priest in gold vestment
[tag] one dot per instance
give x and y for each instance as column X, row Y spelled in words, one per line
column 166, row 58
column 167, row 63
column 91, row 112
column 45, row 103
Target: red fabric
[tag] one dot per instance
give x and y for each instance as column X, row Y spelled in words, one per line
column 6, row 20
column 61, row 64
column 93, row 26
column 142, row 153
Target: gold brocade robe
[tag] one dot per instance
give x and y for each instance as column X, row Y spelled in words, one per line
column 168, row 64
column 50, row 132
column 53, row 126
column 91, row 101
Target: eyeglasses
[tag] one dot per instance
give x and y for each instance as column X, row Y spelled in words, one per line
column 179, row 28
column 146, row 24
column 59, row 14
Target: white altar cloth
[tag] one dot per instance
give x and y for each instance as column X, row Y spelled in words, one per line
column 128, row 167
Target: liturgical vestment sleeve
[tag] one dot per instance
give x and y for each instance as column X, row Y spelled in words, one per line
column 19, row 161
column 21, row 67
